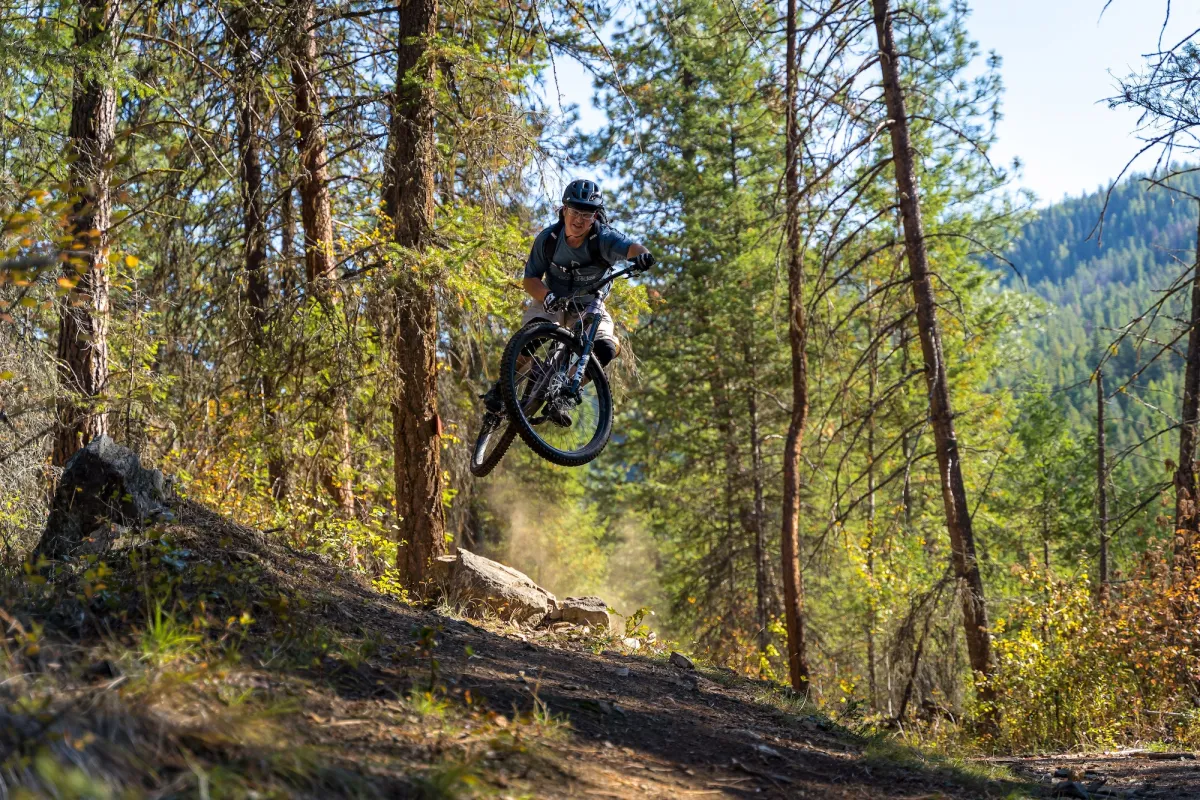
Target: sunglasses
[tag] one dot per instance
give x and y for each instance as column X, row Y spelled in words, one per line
column 582, row 216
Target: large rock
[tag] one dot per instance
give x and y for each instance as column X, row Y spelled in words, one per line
column 103, row 488
column 591, row 611
column 481, row 585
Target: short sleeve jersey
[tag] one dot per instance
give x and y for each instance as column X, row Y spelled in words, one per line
column 572, row 267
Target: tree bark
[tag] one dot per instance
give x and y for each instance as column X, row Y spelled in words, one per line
column 1186, row 519
column 954, row 495
column 310, row 144
column 320, row 273
column 409, row 201
column 1101, row 482
column 793, row 585
column 83, row 312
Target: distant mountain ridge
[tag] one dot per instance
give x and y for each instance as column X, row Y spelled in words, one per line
column 1146, row 227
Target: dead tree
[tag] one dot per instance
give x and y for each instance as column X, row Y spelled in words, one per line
column 954, row 495
column 1186, row 519
column 793, row 582
column 1101, row 481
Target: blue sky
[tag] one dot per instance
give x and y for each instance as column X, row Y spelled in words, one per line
column 1061, row 59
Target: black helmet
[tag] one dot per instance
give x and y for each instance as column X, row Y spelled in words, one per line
column 583, row 195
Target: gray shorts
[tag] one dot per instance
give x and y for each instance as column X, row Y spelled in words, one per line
column 607, row 329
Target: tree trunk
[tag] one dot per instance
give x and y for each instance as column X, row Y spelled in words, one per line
column 83, row 313
column 1101, row 482
column 249, row 104
column 793, row 586
column 907, row 446
column 757, row 514
column 277, row 453
column 287, row 224
column 314, row 172
column 319, row 264
column 254, row 229
column 277, row 458
column 1186, row 519
column 762, row 583
column 416, row 428
column 906, row 695
column 872, row 614
column 723, row 413
column 954, row 495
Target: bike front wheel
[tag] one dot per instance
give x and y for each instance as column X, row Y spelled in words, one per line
column 536, row 370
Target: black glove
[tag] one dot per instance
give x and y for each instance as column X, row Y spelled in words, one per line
column 643, row 262
column 552, row 303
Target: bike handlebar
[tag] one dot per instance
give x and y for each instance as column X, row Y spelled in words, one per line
column 594, row 285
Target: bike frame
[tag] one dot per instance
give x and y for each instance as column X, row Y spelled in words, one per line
column 590, row 339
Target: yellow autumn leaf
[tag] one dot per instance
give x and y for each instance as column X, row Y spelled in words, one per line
column 7, row 375
column 131, row 261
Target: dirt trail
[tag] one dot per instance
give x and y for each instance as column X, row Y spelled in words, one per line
column 1129, row 773
column 329, row 696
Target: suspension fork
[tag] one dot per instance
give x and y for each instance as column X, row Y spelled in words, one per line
column 588, row 342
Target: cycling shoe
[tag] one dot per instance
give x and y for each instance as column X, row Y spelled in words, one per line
column 492, row 400
column 559, row 410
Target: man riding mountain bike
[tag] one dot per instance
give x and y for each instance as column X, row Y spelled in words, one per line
column 580, row 248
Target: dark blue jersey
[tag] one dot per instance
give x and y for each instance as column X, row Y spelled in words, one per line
column 572, row 267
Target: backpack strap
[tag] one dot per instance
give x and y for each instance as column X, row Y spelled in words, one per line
column 550, row 243
column 593, row 243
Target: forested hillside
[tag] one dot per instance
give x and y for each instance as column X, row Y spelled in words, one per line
column 1098, row 281
column 280, row 252
column 1145, row 227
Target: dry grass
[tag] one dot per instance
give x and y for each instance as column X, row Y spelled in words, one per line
column 208, row 660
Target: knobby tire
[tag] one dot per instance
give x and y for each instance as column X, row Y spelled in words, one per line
column 482, row 468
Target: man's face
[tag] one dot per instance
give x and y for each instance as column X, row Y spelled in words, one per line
column 578, row 222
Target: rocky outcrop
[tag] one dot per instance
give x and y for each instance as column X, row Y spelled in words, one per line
column 103, row 489
column 590, row 611
column 481, row 585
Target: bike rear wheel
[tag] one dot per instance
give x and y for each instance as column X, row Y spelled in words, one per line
column 490, row 446
column 538, row 363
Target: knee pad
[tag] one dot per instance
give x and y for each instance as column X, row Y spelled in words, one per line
column 605, row 351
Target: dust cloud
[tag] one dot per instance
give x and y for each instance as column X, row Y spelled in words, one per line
column 565, row 545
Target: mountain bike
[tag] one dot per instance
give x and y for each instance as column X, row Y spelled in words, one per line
column 556, row 395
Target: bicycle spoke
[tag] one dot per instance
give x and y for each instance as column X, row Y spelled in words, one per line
column 548, row 413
